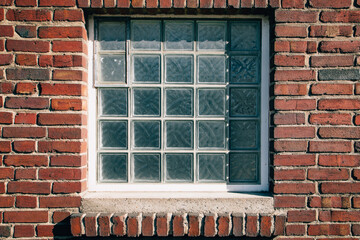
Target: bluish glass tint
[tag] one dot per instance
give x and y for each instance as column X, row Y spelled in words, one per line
column 146, row 101
column 113, row 167
column 211, row 134
column 113, row 101
column 112, row 35
column 244, row 102
column 211, row 167
column 179, row 102
column 179, row 167
column 244, row 69
column 112, row 68
column 179, row 35
column 211, row 102
column 146, row 68
column 147, row 167
column 244, row 134
column 179, row 134
column 244, row 167
column 245, row 36
column 179, row 69
column 211, row 35
column 211, row 69
column 145, row 34
column 113, row 134
column 146, row 134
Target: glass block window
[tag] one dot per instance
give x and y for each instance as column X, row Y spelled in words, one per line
column 178, row 101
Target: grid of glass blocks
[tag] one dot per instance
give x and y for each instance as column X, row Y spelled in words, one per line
column 178, row 101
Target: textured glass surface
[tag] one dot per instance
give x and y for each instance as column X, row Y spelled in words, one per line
column 211, row 102
column 179, row 167
column 244, row 69
column 146, row 167
column 243, row 134
column 211, row 35
column 113, row 134
column 179, row 35
column 113, row 101
column 179, row 102
column 146, row 134
column 146, row 68
column 211, row 134
column 112, row 68
column 145, row 34
column 245, row 36
column 243, row 167
column 244, row 102
column 113, row 167
column 146, row 101
column 211, row 69
column 211, row 167
column 179, row 134
column 179, row 69
column 112, row 35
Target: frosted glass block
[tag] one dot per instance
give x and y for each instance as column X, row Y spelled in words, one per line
column 245, row 36
column 211, row 167
column 244, row 102
column 211, row 134
column 112, row 35
column 113, row 167
column 146, row 134
column 145, row 34
column 146, row 101
column 179, row 167
column 113, row 101
column 179, row 102
column 244, row 167
column 112, row 68
column 179, row 69
column 211, row 35
column 211, row 69
column 211, row 102
column 113, row 134
column 146, row 167
column 244, row 69
column 179, row 35
column 244, row 134
column 179, row 134
column 146, row 69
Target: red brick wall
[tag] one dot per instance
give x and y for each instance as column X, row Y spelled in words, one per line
column 315, row 115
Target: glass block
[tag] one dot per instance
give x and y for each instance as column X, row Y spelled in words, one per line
column 146, row 167
column 112, row 35
column 211, row 134
column 211, row 35
column 179, row 102
column 211, row 167
column 145, row 34
column 146, row 101
column 179, row 167
column 244, row 134
column 244, row 69
column 179, row 134
column 112, row 68
column 243, row 167
column 245, row 36
column 179, row 69
column 179, row 35
column 146, row 69
column 244, row 102
column 113, row 134
column 113, row 167
column 146, row 134
column 113, row 101
column 211, row 102
column 211, row 69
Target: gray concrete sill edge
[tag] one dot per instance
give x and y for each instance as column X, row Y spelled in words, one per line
column 177, row 202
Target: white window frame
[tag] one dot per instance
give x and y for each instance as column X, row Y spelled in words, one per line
column 93, row 185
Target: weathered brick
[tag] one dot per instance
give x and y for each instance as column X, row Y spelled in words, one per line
column 62, row 32
column 60, row 119
column 54, row 89
column 339, row 104
column 296, row 16
column 34, row 15
column 26, row 31
column 290, row 31
column 26, row 103
column 68, row 104
column 289, row 118
column 119, row 224
column 295, row 104
column 287, row 61
column 26, row 59
column 290, row 89
column 332, row 61
column 75, row 15
column 90, row 221
column 25, row 160
column 26, row 201
column 25, row 118
column 294, row 75
column 147, row 225
column 343, row 16
column 210, row 225
column 61, row 147
column 24, row 132
column 25, row 173
column 24, row 231
column 332, row 89
column 61, row 174
column 24, row 146
column 76, row 220
column 294, row 160
column 6, row 31
column 294, row 132
column 251, row 228
column 104, row 224
column 69, row 75
column 339, row 160
column 329, row 229
column 59, row 202
column 25, row 88
column 27, row 74
column 289, row 202
column 55, row 3
column 330, row 31
column 295, row 188
column 30, row 188
column 289, row 174
column 339, row 47
column 6, row 117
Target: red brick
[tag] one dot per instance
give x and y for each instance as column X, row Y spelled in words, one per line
column 251, row 229
column 69, row 187
column 25, row 88
column 76, row 220
column 90, row 221
column 68, row 104
column 356, row 229
column 246, row 3
column 29, row 187
column 60, row 216
column 289, row 202
column 25, row 173
column 24, row 132
column 123, row 3
column 46, row 61
column 289, row 174
column 26, row 202
column 24, row 146
column 290, row 31
column 61, row 174
column 60, row 119
column 25, row 118
column 69, row 15
column 147, row 225
column 219, row 3
column 25, row 160
column 138, row 3
column 194, row 225
column 48, row 230
column 26, row 31
column 109, row 3
column 27, row 74
column 238, row 220
column 294, row 160
column 62, row 89
column 295, row 75
column 210, row 226
column 328, row 174
column 206, row 3
column 154, row 3
column 295, row 188
column 25, row 216
column 357, row 89
column 5, row 59
column 162, row 225
column 133, row 227
column 104, row 224
column 330, row 3
column 265, row 226
column 68, row 161
column 260, row 3
column 165, row 3
column 343, row 16
column 295, row 104
column 290, row 89
column 96, row 3
column 332, row 61
column 282, row 46
column 83, row 3
column 289, row 118
column 67, row 133
column 69, row 75
column 296, row 16
column 330, row 31
column 339, row 104
column 326, row 146
column 339, row 46
column 60, row 202
column 6, row 87
column 330, row 118
column 119, row 224
column 69, row 46
column 56, row 3
column 24, row 231
column 290, row 146
column 33, row 15
column 339, row 132
column 329, row 229
column 339, row 160
column 6, row 31
column 344, row 216
column 62, row 32
column 289, row 61
column 332, row 89
column 192, row 3
column 294, row 132
column 179, row 225
column 6, row 173
column 2, row 14
column 61, row 147
column 26, row 59
column 6, row 117
column 25, row 3
column 5, row 146
column 295, row 230
column 340, row 187
column 5, row 231
column 224, row 225
column 6, row 2
column 7, row 201
column 293, row 3
column 301, row 216
column 279, row 225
